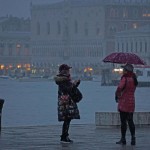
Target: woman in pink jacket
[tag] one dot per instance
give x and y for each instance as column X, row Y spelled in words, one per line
column 126, row 102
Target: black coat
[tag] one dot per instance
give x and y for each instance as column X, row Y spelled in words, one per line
column 67, row 108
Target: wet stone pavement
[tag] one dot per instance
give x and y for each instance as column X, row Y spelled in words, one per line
column 85, row 137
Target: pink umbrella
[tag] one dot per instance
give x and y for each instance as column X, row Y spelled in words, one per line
column 123, row 58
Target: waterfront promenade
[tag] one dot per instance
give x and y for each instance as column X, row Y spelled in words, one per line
column 86, row 137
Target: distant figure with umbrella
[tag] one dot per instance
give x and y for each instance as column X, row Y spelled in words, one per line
column 125, row 98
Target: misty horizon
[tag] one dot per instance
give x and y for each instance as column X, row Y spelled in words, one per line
column 20, row 8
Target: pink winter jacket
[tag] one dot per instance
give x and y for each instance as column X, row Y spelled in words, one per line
column 125, row 93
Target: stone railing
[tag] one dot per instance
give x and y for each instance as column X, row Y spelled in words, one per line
column 112, row 119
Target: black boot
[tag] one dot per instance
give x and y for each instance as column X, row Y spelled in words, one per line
column 65, row 135
column 122, row 141
column 65, row 139
column 133, row 141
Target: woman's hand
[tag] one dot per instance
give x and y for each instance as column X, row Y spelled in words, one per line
column 76, row 83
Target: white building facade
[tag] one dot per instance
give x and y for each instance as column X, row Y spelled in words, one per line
column 66, row 33
column 82, row 32
column 135, row 41
column 14, row 44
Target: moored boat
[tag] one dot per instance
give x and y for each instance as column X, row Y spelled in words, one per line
column 142, row 73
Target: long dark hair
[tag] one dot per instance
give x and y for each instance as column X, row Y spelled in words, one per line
column 135, row 80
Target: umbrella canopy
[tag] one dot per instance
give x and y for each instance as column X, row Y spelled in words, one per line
column 123, row 58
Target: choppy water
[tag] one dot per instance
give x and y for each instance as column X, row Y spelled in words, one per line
column 35, row 103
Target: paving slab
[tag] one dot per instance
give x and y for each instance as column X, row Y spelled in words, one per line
column 85, row 137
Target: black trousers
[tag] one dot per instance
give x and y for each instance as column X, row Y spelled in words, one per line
column 65, row 128
column 127, row 117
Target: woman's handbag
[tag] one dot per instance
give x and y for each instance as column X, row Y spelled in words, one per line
column 76, row 95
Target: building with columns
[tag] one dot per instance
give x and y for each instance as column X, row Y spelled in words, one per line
column 14, row 44
column 82, row 32
column 135, row 41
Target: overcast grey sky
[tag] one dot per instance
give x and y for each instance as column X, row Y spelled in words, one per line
column 19, row 8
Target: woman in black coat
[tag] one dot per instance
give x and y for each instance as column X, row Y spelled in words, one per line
column 67, row 108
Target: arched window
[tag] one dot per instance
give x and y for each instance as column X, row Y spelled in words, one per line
column 122, row 47
column 26, row 50
column 136, row 46
column 140, row 46
column 48, row 28
column 112, row 12
column 135, row 13
column 118, row 46
column 125, row 26
column 86, row 31
column 145, row 47
column 58, row 27
column 10, row 49
column 112, row 29
column 76, row 26
column 2, row 46
column 38, row 28
column 98, row 29
column 131, row 46
column 127, row 47
column 125, row 13
column 66, row 30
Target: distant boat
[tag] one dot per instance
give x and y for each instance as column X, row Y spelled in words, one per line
column 4, row 77
column 143, row 76
column 97, row 78
column 32, row 79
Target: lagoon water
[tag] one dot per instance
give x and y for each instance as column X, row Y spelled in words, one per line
column 35, row 103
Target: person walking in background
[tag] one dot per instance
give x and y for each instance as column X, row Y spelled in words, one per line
column 67, row 108
column 124, row 95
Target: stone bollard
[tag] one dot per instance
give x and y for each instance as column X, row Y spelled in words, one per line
column 1, row 106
